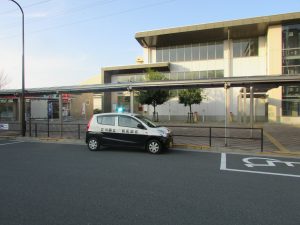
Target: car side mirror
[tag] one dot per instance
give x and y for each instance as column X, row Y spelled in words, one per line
column 140, row 126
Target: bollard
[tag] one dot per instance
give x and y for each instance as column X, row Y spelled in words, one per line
column 78, row 131
column 35, row 129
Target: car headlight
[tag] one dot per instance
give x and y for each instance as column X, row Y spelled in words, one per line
column 163, row 133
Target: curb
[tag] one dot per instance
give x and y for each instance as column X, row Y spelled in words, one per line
column 191, row 146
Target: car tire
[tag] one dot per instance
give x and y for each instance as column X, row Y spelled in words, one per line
column 93, row 144
column 154, row 146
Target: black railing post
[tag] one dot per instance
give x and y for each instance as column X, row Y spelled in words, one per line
column 78, row 131
column 35, row 129
column 29, row 127
column 209, row 136
column 48, row 127
column 61, row 130
column 261, row 140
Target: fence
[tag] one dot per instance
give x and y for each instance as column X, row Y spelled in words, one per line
column 239, row 137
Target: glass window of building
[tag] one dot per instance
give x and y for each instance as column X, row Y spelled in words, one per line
column 211, row 51
column 219, row 73
column 180, row 53
column 195, row 75
column 195, row 52
column 291, row 49
column 291, row 65
column 159, row 53
column 211, row 74
column 140, row 78
column 187, row 52
column 173, row 76
column 203, row 74
column 189, row 76
column 203, row 51
column 166, row 54
column 219, row 50
column 173, row 52
column 245, row 48
column 180, row 75
column 253, row 47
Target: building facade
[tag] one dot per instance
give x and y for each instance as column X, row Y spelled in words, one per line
column 267, row 45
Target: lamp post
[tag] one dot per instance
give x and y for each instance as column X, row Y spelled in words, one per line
column 22, row 111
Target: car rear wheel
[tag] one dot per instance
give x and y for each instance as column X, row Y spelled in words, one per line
column 154, row 146
column 93, row 144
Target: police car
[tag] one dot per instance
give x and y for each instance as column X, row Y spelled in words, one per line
column 124, row 129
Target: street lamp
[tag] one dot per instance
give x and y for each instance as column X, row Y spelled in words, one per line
column 23, row 123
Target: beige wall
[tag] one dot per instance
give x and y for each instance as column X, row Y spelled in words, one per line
column 274, row 62
column 77, row 104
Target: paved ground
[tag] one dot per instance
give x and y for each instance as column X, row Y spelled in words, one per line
column 278, row 138
column 67, row 184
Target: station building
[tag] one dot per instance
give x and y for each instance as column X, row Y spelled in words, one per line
column 268, row 45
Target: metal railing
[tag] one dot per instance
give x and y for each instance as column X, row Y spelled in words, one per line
column 210, row 133
column 212, row 136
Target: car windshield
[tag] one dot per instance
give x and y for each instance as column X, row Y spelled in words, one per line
column 146, row 121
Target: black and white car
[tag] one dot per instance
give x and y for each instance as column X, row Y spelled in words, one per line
column 124, row 129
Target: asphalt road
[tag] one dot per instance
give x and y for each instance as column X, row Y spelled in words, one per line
column 47, row 184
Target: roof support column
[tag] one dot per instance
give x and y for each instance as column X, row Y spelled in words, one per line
column 239, row 104
column 226, row 87
column 251, row 110
column 131, row 98
column 244, row 106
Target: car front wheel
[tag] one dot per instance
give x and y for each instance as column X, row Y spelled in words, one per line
column 154, row 146
column 93, row 144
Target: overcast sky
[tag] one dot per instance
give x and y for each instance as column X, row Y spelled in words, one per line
column 68, row 41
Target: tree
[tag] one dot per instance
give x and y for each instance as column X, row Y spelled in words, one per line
column 188, row 97
column 154, row 97
column 3, row 80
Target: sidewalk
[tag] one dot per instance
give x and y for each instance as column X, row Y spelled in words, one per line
column 279, row 139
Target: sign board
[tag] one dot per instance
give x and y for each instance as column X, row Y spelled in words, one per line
column 4, row 126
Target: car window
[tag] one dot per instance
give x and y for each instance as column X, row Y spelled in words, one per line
column 126, row 121
column 106, row 120
column 146, row 121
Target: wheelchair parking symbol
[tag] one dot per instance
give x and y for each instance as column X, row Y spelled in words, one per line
column 259, row 165
column 257, row 161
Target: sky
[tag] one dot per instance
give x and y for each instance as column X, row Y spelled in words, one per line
column 68, row 41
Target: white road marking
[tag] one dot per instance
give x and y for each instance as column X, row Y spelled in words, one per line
column 223, row 167
column 268, row 162
column 10, row 143
column 223, row 161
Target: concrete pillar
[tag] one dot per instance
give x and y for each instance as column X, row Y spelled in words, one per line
column 131, row 101
column 244, row 105
column 239, row 105
column 226, row 87
column 251, row 109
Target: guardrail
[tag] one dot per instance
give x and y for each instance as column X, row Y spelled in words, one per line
column 217, row 132
column 203, row 135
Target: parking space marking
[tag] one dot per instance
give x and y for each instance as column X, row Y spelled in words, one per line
column 223, row 166
column 10, row 143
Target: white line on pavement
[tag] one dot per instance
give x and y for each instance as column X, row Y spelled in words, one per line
column 223, row 161
column 16, row 142
column 223, row 167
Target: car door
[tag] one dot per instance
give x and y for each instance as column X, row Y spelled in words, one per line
column 107, row 127
column 130, row 133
